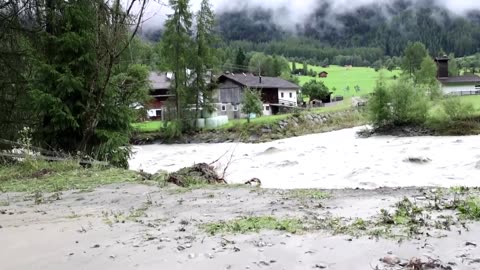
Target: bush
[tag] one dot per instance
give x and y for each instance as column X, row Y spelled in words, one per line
column 455, row 109
column 401, row 105
column 409, row 105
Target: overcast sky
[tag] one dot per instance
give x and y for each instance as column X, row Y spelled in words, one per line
column 290, row 11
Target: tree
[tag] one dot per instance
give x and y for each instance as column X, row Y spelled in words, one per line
column 81, row 94
column 305, row 69
column 453, row 66
column 252, row 103
column 427, row 74
column 240, row 61
column 294, row 66
column 315, row 90
column 204, row 59
column 380, row 113
column 257, row 63
column 357, row 88
column 414, row 55
column 176, row 51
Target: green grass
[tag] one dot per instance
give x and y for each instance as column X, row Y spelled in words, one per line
column 254, row 224
column 40, row 176
column 312, row 194
column 339, row 77
column 148, row 127
column 273, row 119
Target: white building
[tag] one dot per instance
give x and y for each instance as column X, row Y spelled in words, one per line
column 456, row 85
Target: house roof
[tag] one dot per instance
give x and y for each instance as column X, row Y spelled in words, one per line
column 460, row 79
column 252, row 81
column 323, row 72
column 160, row 80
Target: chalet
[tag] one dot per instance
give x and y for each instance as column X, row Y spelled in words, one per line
column 323, row 74
column 160, row 83
column 456, row 85
column 277, row 93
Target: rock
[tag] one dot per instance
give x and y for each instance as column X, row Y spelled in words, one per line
column 470, row 244
column 320, row 266
column 181, row 248
column 165, row 240
column 418, row 160
column 236, row 249
column 390, row 260
column 96, row 246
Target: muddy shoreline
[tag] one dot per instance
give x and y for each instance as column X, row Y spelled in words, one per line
column 128, row 226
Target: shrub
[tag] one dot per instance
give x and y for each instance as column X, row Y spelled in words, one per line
column 409, row 104
column 455, row 109
column 379, row 105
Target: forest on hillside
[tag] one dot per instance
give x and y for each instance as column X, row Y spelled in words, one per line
column 368, row 32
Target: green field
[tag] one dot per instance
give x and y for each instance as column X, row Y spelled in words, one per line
column 148, row 127
column 341, row 77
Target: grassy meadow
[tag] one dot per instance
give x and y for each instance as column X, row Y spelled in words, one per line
column 341, row 77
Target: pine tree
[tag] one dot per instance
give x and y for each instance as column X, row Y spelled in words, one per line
column 294, row 66
column 205, row 55
column 240, row 60
column 176, row 48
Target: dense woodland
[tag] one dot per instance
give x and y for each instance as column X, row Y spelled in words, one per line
column 360, row 37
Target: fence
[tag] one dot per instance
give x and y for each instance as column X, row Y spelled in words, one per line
column 464, row 93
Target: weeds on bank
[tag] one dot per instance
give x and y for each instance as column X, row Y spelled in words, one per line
column 41, row 176
column 254, row 224
column 311, row 194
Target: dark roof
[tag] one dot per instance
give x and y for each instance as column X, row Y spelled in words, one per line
column 252, row 81
column 460, row 79
column 323, row 72
column 160, row 80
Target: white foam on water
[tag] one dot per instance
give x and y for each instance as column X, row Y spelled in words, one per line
column 330, row 160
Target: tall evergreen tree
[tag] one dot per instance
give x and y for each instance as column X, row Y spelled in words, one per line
column 205, row 55
column 176, row 50
column 240, row 61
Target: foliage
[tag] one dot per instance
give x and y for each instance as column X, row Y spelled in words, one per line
column 309, row 194
column 254, row 224
column 315, row 90
column 408, row 105
column 42, row 176
column 455, row 109
column 204, row 58
column 415, row 53
column 427, row 74
column 252, row 103
column 380, row 113
column 176, row 47
column 470, row 209
column 265, row 65
column 240, row 61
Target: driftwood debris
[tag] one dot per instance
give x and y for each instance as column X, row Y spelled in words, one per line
column 199, row 172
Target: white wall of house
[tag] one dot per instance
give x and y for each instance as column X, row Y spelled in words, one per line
column 287, row 97
column 267, row 110
column 459, row 88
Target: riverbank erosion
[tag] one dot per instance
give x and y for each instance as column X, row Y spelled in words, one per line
column 339, row 159
column 132, row 226
column 285, row 126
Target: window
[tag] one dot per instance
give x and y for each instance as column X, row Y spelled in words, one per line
column 235, row 108
column 281, row 95
column 291, row 95
column 158, row 113
column 224, row 108
column 267, row 108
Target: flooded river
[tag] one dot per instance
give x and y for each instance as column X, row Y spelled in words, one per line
column 329, row 160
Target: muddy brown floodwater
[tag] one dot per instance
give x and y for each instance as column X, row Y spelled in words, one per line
column 332, row 160
column 144, row 227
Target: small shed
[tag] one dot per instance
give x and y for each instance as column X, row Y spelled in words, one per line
column 323, row 74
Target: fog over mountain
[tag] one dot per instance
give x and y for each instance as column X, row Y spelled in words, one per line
column 293, row 12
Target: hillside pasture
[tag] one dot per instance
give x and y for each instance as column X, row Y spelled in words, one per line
column 340, row 78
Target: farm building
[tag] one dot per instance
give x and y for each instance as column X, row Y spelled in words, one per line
column 323, row 74
column 277, row 93
column 456, row 85
column 160, row 83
